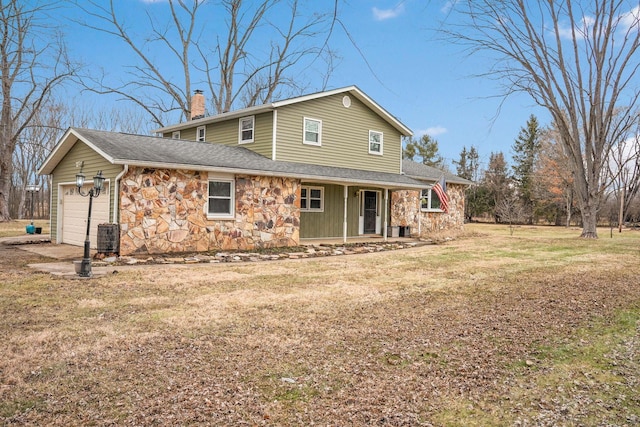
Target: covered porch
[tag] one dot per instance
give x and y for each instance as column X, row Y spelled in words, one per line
column 340, row 213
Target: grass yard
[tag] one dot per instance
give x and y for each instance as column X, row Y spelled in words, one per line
column 18, row 227
column 535, row 328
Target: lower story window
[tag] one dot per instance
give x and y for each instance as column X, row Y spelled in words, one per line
column 220, row 200
column 429, row 201
column 312, row 199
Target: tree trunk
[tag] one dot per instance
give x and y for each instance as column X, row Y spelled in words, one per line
column 5, row 189
column 621, row 212
column 589, row 220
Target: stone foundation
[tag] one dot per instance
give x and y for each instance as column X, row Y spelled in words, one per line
column 164, row 211
column 405, row 211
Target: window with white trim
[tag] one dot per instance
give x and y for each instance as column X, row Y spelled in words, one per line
column 375, row 142
column 312, row 199
column 175, row 134
column 220, row 200
column 201, row 133
column 312, row 131
column 246, row 129
column 429, row 201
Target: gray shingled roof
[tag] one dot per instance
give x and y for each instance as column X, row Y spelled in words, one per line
column 150, row 151
column 352, row 90
column 429, row 173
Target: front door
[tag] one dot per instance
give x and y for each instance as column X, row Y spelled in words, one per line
column 370, row 211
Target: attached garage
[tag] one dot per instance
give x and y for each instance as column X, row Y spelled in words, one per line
column 74, row 209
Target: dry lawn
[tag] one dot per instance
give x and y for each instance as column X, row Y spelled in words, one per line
column 538, row 328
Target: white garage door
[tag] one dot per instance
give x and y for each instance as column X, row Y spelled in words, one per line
column 74, row 214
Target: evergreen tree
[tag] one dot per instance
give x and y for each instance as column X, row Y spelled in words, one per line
column 468, row 167
column 526, row 149
column 425, row 148
column 497, row 182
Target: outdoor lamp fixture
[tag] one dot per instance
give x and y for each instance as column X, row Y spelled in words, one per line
column 98, row 183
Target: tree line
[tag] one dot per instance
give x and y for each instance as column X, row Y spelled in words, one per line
column 538, row 187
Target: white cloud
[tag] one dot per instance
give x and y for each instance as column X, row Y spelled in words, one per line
column 384, row 14
column 581, row 30
column 630, row 19
column 435, row 131
column 448, row 6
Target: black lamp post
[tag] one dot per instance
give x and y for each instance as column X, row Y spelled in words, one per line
column 98, row 183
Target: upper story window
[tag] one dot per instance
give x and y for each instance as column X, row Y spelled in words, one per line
column 175, row 134
column 246, row 130
column 429, row 201
column 201, row 133
column 221, row 198
column 375, row 142
column 312, row 131
column 312, row 199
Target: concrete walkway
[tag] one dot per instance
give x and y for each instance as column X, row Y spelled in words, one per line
column 65, row 255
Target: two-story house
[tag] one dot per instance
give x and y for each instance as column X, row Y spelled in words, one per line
column 326, row 165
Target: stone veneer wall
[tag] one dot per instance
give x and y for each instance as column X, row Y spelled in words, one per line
column 164, row 211
column 405, row 211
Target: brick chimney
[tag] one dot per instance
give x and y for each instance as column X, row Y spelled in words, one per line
column 197, row 105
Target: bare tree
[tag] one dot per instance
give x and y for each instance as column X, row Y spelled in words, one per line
column 33, row 63
column 555, row 189
column 624, row 168
column 578, row 60
column 33, row 146
column 511, row 211
column 107, row 117
column 244, row 65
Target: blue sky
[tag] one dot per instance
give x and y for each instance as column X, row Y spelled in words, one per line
column 422, row 80
column 426, row 82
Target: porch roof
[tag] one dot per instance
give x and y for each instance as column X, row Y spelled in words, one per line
column 429, row 173
column 157, row 152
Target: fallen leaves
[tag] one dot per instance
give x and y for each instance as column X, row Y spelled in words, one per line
column 390, row 339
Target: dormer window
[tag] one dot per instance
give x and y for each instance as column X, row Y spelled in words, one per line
column 246, row 129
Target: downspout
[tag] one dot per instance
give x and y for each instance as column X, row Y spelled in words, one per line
column 275, row 134
column 116, row 195
column 344, row 223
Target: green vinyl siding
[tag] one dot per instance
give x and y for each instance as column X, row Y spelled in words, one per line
column 330, row 222
column 345, row 135
column 188, row 134
column 226, row 133
column 65, row 173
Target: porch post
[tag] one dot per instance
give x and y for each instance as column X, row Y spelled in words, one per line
column 386, row 214
column 344, row 223
column 419, row 218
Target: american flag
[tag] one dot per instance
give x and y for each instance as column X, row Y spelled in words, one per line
column 440, row 189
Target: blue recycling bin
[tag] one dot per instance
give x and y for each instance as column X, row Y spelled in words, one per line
column 31, row 229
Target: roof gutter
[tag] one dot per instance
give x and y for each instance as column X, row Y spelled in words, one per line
column 306, row 177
